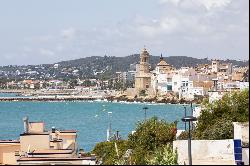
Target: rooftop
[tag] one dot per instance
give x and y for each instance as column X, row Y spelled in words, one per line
column 53, row 159
column 68, row 131
column 52, row 151
column 43, row 133
column 9, row 141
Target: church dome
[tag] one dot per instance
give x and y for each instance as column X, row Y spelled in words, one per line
column 162, row 62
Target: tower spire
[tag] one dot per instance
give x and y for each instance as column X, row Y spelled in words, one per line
column 161, row 58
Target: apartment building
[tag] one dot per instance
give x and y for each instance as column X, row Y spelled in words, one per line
column 37, row 146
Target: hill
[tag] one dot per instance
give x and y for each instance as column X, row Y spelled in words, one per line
column 123, row 63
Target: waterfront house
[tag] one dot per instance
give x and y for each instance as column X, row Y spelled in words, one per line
column 39, row 146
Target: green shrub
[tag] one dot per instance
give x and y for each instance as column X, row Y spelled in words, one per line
column 222, row 129
column 149, row 136
column 164, row 156
column 106, row 152
column 215, row 121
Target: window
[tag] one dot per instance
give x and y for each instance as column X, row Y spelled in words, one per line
column 169, row 87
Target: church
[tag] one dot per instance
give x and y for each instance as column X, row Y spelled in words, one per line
column 145, row 78
column 143, row 75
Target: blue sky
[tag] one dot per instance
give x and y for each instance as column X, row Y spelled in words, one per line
column 49, row 31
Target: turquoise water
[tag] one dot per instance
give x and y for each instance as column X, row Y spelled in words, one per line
column 8, row 95
column 16, row 95
column 90, row 119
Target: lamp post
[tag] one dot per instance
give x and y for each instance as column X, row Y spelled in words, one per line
column 109, row 127
column 145, row 112
column 185, row 114
column 189, row 119
column 192, row 113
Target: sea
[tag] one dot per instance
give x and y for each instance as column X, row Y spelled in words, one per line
column 90, row 118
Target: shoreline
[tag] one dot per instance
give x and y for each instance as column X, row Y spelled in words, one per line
column 58, row 97
column 87, row 99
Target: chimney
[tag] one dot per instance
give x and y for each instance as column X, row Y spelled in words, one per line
column 26, row 124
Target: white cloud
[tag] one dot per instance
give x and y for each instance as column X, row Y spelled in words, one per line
column 27, row 49
column 154, row 27
column 182, row 27
column 46, row 52
column 45, row 38
column 208, row 4
column 175, row 2
column 68, row 33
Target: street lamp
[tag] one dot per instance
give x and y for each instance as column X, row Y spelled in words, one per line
column 185, row 114
column 189, row 119
column 192, row 113
column 145, row 112
column 109, row 127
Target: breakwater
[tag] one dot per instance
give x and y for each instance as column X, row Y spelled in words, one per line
column 83, row 98
column 47, row 98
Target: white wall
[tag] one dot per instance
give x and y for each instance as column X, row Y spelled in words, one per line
column 241, row 131
column 244, row 85
column 245, row 155
column 206, row 152
column 213, row 96
column 197, row 112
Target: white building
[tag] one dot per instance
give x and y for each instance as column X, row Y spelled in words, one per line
column 162, row 77
column 183, row 83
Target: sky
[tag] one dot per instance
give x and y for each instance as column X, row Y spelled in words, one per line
column 50, row 31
